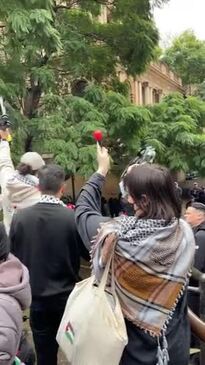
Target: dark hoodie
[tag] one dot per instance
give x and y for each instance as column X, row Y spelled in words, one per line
column 15, row 296
column 199, row 234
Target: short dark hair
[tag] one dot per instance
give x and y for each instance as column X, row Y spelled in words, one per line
column 51, row 179
column 198, row 206
column 154, row 182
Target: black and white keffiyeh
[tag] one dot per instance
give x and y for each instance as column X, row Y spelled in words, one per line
column 50, row 199
column 27, row 179
column 152, row 261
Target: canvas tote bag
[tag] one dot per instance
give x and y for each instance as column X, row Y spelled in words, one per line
column 92, row 330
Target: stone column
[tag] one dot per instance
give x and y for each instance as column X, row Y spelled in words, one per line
column 147, row 92
column 139, row 93
column 151, row 95
column 160, row 94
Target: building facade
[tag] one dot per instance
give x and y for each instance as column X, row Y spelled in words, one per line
column 150, row 87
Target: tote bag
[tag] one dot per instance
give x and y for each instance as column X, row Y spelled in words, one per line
column 92, row 330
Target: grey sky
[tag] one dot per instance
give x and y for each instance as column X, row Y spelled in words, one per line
column 180, row 15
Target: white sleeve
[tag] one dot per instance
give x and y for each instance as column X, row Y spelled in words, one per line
column 6, row 164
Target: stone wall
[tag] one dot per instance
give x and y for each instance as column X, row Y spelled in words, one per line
column 150, row 87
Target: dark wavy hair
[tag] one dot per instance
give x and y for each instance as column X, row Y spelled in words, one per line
column 24, row 169
column 4, row 243
column 152, row 189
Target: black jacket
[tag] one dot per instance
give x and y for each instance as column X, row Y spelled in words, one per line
column 199, row 260
column 141, row 348
column 45, row 239
column 199, row 234
column 199, row 263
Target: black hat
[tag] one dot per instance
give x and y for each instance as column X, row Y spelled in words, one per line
column 4, row 243
column 198, row 206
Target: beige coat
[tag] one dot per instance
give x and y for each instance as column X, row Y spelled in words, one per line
column 17, row 191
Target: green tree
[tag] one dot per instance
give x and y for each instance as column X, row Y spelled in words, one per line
column 177, row 127
column 186, row 56
column 52, row 49
column 174, row 127
column 200, row 91
column 70, row 139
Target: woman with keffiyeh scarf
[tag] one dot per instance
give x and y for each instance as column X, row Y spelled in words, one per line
column 153, row 256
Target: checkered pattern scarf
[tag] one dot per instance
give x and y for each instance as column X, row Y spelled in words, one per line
column 152, row 262
column 50, row 199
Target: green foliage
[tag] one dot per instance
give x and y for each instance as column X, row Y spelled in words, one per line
column 200, row 91
column 177, row 127
column 66, row 123
column 46, row 46
column 186, row 56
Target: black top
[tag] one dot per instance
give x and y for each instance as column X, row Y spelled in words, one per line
column 199, row 234
column 199, row 260
column 199, row 263
column 88, row 209
column 141, row 348
column 45, row 239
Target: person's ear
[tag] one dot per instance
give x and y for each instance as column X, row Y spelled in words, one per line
column 62, row 190
column 130, row 199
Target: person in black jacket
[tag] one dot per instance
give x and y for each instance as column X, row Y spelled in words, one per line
column 195, row 216
column 45, row 239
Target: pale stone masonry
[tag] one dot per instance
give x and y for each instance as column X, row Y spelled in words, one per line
column 151, row 86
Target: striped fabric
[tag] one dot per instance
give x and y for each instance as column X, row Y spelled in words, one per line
column 152, row 261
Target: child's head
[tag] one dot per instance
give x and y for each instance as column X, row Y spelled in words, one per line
column 4, row 244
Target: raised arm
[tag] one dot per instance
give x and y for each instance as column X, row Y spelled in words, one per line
column 88, row 207
column 6, row 164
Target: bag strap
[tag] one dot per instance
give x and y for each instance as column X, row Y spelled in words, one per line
column 103, row 280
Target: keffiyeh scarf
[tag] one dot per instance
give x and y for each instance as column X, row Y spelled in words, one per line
column 152, row 262
column 27, row 179
column 50, row 199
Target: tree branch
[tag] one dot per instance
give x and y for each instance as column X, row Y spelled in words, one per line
column 67, row 6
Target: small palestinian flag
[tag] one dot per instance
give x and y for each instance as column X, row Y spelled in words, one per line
column 69, row 332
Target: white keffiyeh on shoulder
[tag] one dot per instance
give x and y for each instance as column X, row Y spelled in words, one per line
column 50, row 199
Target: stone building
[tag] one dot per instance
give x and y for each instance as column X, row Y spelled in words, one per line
column 150, row 87
column 145, row 89
column 156, row 82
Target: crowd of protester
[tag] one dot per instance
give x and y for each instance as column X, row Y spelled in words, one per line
column 43, row 238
